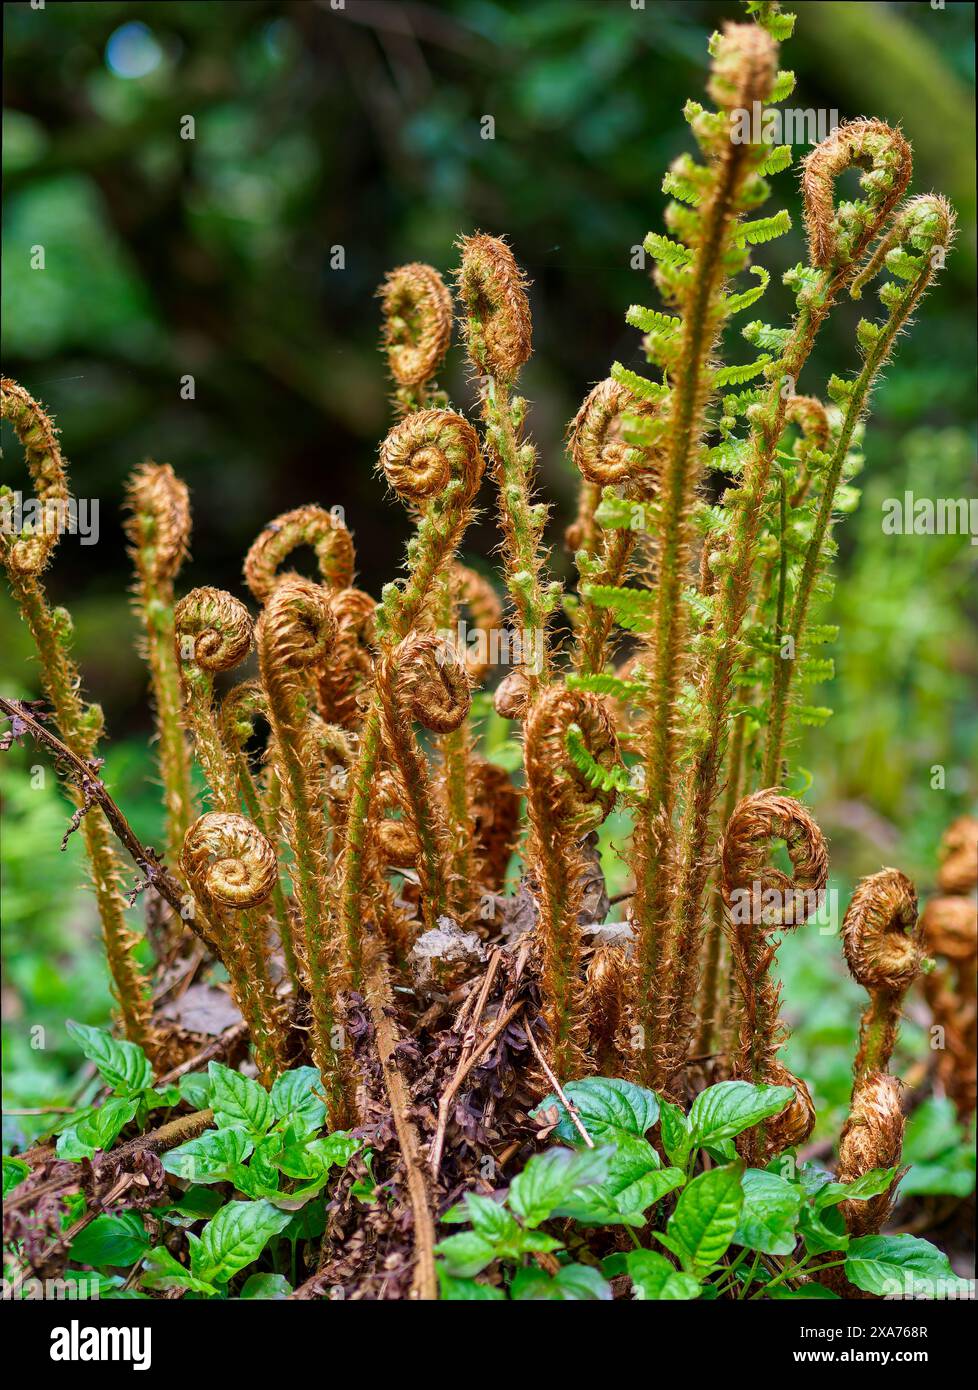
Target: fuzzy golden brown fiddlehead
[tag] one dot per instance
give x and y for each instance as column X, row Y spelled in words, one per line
column 606, row 457
column 433, row 461
column 232, row 869
column 417, row 309
column 564, row 806
column 25, row 555
column 759, row 897
column 497, row 331
column 212, row 633
column 326, row 535
column 882, row 948
column 242, row 707
column 344, row 681
column 958, row 854
column 294, row 636
column 871, row 145
column 158, row 528
column 881, row 940
column 422, row 680
column 884, row 157
column 950, row 933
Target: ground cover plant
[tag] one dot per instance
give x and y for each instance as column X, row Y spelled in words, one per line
column 446, row 1069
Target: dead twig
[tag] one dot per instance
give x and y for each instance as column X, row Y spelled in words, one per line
column 568, row 1105
column 380, row 1002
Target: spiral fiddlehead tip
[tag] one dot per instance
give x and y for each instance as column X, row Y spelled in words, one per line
column 950, row 928
column 796, row 1122
column 158, row 524
column 296, row 631
column 879, row 933
column 431, row 681
column 759, row 818
column 492, row 289
column 212, row 629
column 597, row 444
column 30, row 552
column 886, row 156
column 324, row 532
column 556, row 786
column 427, row 451
column 228, row 861
column 958, row 854
column 243, row 704
column 417, row 309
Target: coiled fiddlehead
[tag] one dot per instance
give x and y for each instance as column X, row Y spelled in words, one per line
column 758, row 897
column 232, row 868
column 242, row 707
column 29, row 552
column 421, row 679
column 922, row 226
column 881, row 941
column 295, row 633
column 849, row 229
column 311, row 526
column 432, row 460
column 158, row 529
column 24, row 557
column 417, row 311
column 841, row 236
column 958, row 872
column 497, row 332
column 605, row 458
column 563, row 807
column 212, row 632
column 882, row 949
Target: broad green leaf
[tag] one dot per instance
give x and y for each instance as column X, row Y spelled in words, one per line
column 932, row 1130
column 869, row 1185
column 605, row 1106
column 239, row 1101
column 902, row 1266
column 310, row 1158
column 233, row 1239
column 548, row 1180
column 212, row 1157
column 195, row 1089
column 111, row 1240
column 822, row 1231
column 730, row 1107
column 15, row 1170
column 490, row 1219
column 635, row 1181
column 769, row 1216
column 674, row 1129
column 196, row 1204
column 296, row 1095
column 266, row 1286
column 653, row 1277
column 98, row 1129
column 571, row 1284
column 466, row 1290
column 162, row 1271
column 954, row 1176
column 122, row 1065
column 703, row 1224
column 466, row 1254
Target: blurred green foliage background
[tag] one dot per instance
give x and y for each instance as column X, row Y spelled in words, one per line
column 331, row 144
